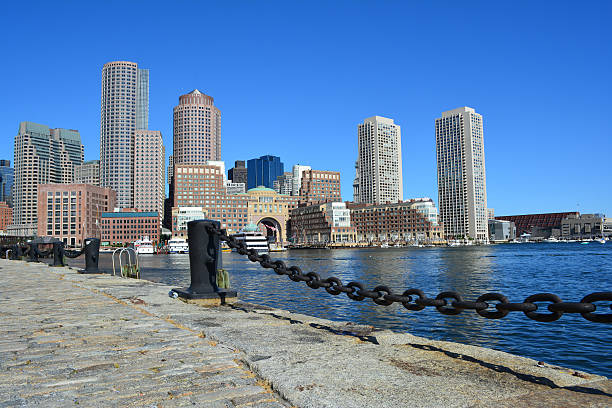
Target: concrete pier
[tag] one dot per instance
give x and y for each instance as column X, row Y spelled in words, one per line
column 97, row 340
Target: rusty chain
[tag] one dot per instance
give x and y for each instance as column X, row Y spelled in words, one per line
column 415, row 299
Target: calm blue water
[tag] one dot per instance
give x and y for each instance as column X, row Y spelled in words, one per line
column 569, row 270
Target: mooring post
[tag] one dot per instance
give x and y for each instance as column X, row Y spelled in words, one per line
column 204, row 261
column 58, row 254
column 92, row 255
column 33, row 253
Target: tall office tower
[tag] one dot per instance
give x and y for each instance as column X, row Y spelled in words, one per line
column 7, row 175
column 149, row 168
column 197, row 129
column 298, row 172
column 284, row 183
column 380, row 161
column 238, row 173
column 124, row 108
column 88, row 173
column 263, row 171
column 42, row 156
column 462, row 185
column 356, row 183
column 170, row 168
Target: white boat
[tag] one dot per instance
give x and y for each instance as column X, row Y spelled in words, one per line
column 253, row 238
column 551, row 239
column 144, row 246
column 601, row 240
column 273, row 247
column 178, row 246
column 384, row 245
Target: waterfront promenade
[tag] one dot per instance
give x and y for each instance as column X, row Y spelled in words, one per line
column 96, row 340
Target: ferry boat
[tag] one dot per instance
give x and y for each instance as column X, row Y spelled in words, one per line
column 253, row 238
column 144, row 246
column 178, row 246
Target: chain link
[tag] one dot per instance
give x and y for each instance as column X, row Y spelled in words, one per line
column 447, row 303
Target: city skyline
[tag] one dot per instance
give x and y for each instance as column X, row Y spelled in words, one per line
column 530, row 169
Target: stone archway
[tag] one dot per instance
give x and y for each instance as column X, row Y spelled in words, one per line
column 271, row 228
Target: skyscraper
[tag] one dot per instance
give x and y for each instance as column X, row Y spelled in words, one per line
column 380, row 161
column 263, row 171
column 42, row 156
column 88, row 173
column 197, row 129
column 124, row 108
column 462, row 185
column 238, row 173
column 298, row 172
column 149, row 168
column 7, row 175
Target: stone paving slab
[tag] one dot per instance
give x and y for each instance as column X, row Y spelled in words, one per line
column 106, row 341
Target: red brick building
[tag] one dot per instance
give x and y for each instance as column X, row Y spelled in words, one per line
column 6, row 215
column 129, row 225
column 543, row 222
column 71, row 212
column 320, row 186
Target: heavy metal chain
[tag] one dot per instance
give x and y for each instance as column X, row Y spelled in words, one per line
column 448, row 303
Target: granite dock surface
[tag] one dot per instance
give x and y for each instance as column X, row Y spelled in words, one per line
column 69, row 339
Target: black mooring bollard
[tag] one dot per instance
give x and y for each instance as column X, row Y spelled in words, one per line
column 204, row 261
column 58, row 254
column 33, row 253
column 16, row 253
column 92, row 255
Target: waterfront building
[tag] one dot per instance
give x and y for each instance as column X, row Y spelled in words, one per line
column 379, row 161
column 462, row 185
column 284, row 183
column 426, row 207
column 501, row 231
column 235, row 188
column 538, row 225
column 322, row 224
column 42, row 155
column 203, row 186
column 6, row 216
column 263, row 171
column 577, row 226
column 182, row 215
column 124, row 108
column 197, row 129
column 490, row 213
column 298, row 170
column 238, row 173
column 149, row 159
column 88, row 173
column 72, row 212
column 320, row 186
column 393, row 222
column 122, row 227
column 7, row 177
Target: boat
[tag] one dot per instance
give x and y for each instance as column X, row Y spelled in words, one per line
column 274, row 247
column 178, row 246
column 144, row 246
column 253, row 238
column 584, row 242
column 551, row 239
column 601, row 240
column 225, row 247
column 384, row 245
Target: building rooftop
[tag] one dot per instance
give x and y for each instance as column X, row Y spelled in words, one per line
column 129, row 214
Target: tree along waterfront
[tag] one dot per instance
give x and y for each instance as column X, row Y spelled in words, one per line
column 569, row 270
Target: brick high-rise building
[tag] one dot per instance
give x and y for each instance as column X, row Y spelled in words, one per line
column 462, row 183
column 149, row 168
column 42, row 156
column 379, row 161
column 72, row 212
column 320, row 186
column 88, row 173
column 6, row 216
column 124, row 108
column 197, row 129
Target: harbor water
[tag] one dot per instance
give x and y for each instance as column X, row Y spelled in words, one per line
column 570, row 270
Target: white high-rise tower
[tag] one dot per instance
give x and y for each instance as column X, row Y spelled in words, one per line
column 380, row 161
column 462, row 184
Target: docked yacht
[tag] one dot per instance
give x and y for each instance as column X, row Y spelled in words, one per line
column 144, row 246
column 178, row 246
column 253, row 238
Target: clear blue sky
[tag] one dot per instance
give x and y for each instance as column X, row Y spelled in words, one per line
column 294, row 78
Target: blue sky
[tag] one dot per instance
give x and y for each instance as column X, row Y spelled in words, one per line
column 294, row 78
